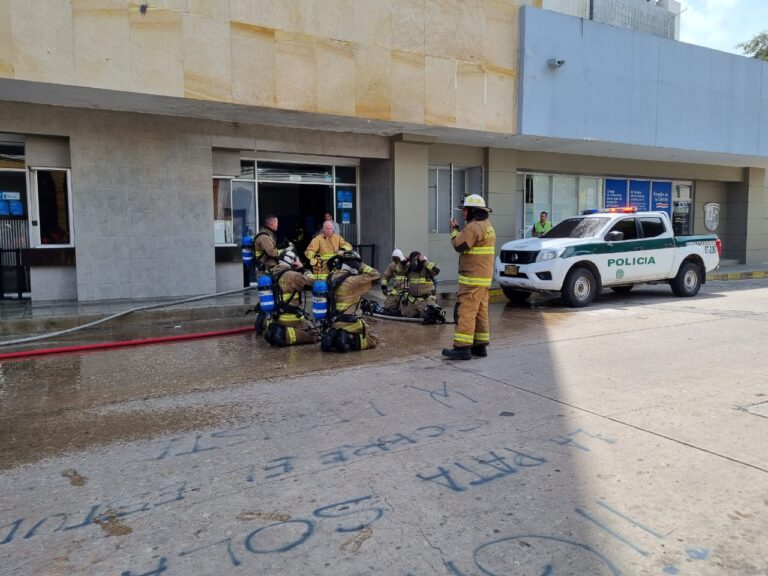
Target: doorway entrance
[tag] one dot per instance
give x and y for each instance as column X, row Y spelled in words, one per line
column 299, row 208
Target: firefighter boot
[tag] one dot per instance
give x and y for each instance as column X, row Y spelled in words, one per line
column 462, row 353
column 480, row 350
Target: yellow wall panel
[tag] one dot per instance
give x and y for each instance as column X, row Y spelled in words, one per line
column 297, row 78
column 408, row 87
column 207, row 74
column 373, row 83
column 157, row 61
column 336, row 78
column 101, row 33
column 440, row 91
column 253, row 64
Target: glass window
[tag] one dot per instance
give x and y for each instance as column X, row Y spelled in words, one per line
column 346, row 212
column 51, row 215
column 222, row 211
column 628, row 226
column 247, row 169
column 652, row 227
column 588, row 196
column 243, row 210
column 577, row 228
column 308, row 173
column 346, row 174
column 565, row 198
column 11, row 155
column 447, row 186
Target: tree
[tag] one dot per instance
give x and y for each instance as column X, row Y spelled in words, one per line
column 757, row 47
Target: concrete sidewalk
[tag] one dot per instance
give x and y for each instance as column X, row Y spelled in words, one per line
column 22, row 317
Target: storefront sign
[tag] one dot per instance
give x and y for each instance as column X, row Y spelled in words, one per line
column 615, row 193
column 10, row 195
column 711, row 216
column 639, row 192
column 661, row 197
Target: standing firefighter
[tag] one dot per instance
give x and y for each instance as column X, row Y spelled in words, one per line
column 475, row 245
column 289, row 324
column 265, row 244
column 323, row 247
column 395, row 272
column 346, row 285
column 419, row 301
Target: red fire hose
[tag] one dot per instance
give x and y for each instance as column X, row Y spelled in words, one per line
column 124, row 343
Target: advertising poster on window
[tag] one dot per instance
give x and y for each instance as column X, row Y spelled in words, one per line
column 639, row 192
column 661, row 197
column 615, row 193
column 344, row 198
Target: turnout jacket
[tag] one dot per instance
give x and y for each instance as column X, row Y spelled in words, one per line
column 420, row 282
column 323, row 249
column 352, row 288
column 265, row 248
column 291, row 282
column 475, row 244
column 396, row 271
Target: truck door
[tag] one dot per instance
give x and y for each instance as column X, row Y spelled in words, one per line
column 659, row 248
column 619, row 262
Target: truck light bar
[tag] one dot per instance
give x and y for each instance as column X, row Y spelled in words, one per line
column 625, row 210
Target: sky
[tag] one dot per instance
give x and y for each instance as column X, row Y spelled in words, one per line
column 721, row 24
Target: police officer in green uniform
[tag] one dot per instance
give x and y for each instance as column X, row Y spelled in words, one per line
column 542, row 226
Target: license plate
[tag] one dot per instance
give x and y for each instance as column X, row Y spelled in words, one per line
column 510, row 270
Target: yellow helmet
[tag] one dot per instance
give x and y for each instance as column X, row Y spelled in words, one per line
column 475, row 201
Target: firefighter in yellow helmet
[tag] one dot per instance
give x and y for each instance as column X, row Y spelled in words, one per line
column 475, row 244
column 323, row 247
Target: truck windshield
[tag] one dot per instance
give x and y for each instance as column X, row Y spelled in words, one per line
column 577, row 228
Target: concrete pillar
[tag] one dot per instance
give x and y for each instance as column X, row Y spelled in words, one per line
column 503, row 196
column 757, row 219
column 748, row 221
column 410, row 164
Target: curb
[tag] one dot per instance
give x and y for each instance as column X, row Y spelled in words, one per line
column 747, row 275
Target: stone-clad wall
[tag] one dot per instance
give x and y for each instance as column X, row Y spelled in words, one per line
column 436, row 62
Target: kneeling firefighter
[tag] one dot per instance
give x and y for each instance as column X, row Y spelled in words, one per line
column 348, row 279
column 288, row 324
column 419, row 300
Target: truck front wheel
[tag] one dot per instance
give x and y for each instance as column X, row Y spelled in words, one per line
column 579, row 288
column 688, row 280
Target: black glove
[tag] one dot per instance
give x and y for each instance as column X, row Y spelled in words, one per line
column 384, row 290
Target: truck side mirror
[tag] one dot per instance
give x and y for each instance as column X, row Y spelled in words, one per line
column 614, row 236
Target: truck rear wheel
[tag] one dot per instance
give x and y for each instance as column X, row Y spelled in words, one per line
column 516, row 296
column 688, row 280
column 579, row 288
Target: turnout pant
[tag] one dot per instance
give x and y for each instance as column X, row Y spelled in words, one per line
column 289, row 331
column 368, row 338
column 414, row 307
column 472, row 324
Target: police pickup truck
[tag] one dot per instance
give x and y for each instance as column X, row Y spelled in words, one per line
column 614, row 248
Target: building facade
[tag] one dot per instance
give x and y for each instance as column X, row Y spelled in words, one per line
column 139, row 142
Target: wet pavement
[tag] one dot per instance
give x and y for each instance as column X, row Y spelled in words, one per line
column 625, row 438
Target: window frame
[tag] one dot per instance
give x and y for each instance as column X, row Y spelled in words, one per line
column 33, row 208
column 231, row 216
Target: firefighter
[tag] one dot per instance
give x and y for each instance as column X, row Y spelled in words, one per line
column 289, row 324
column 419, row 300
column 323, row 247
column 266, row 252
column 475, row 245
column 395, row 272
column 346, row 285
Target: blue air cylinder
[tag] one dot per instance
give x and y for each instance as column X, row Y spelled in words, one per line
column 266, row 297
column 320, row 300
column 247, row 250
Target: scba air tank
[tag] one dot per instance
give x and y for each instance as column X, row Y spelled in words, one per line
column 266, row 297
column 320, row 300
column 247, row 250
